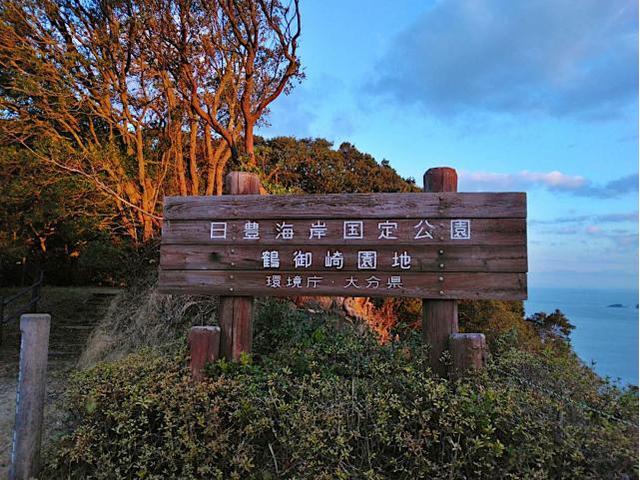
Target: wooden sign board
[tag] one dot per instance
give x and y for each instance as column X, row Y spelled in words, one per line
column 423, row 245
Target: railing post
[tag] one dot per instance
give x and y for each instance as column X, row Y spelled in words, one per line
column 34, row 346
column 236, row 313
column 35, row 293
column 439, row 317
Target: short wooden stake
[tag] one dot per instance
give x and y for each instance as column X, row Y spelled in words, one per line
column 204, row 347
column 27, row 433
column 468, row 352
column 236, row 313
column 439, row 317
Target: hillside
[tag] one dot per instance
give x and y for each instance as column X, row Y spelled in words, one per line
column 321, row 398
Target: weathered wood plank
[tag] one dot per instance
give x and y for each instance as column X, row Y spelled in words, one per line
column 483, row 231
column 32, row 386
column 354, row 205
column 432, row 258
column 497, row 286
column 236, row 313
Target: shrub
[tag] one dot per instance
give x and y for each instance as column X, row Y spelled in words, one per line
column 318, row 400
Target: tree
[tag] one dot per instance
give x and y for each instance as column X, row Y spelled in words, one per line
column 246, row 53
column 264, row 36
column 143, row 98
column 185, row 42
column 314, row 166
column 44, row 216
column 552, row 326
column 80, row 96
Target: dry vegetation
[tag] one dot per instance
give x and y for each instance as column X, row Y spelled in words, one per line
column 141, row 317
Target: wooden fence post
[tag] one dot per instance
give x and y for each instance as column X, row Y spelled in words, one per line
column 236, row 313
column 439, row 317
column 204, row 347
column 34, row 346
column 468, row 351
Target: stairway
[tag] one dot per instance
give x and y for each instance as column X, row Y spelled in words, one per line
column 73, row 317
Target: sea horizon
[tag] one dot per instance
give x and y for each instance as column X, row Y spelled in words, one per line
column 606, row 321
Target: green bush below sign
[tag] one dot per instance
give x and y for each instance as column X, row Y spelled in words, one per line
column 318, row 401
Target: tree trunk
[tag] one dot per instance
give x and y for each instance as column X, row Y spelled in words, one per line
column 248, row 143
column 147, row 228
column 193, row 156
column 222, row 163
column 212, row 160
column 145, row 184
column 179, row 160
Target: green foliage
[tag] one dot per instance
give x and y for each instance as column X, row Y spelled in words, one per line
column 57, row 223
column 318, row 400
column 63, row 224
column 552, row 326
column 498, row 319
column 313, row 166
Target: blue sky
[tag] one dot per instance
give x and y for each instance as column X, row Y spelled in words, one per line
column 537, row 96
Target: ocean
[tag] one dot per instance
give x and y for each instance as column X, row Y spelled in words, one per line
column 604, row 335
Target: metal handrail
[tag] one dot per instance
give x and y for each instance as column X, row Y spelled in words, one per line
column 28, row 307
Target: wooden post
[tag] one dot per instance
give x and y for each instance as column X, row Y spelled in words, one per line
column 468, row 351
column 34, row 345
column 439, row 317
column 236, row 313
column 204, row 347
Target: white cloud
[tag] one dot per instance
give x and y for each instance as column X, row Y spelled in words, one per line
column 558, row 57
column 614, row 217
column 555, row 181
column 525, row 179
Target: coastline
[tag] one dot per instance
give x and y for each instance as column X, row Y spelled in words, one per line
column 605, row 336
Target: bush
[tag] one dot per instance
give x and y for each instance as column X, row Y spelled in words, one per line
column 318, row 400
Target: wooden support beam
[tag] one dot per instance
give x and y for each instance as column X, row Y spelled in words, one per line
column 439, row 317
column 440, row 179
column 204, row 347
column 235, row 314
column 34, row 345
column 439, row 321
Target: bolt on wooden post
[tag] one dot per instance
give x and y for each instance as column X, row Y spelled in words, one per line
column 34, row 346
column 439, row 317
column 235, row 314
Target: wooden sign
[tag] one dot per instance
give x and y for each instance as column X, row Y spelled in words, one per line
column 423, row 245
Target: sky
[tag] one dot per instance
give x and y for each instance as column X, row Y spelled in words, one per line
column 537, row 96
